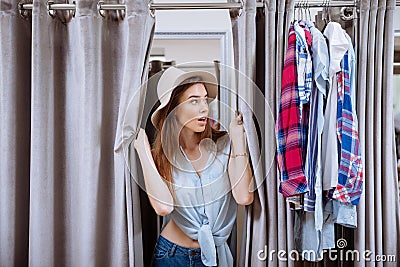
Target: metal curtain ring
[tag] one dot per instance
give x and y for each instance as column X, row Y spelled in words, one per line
column 347, row 13
column 71, row 13
column 51, row 12
column 100, row 10
column 24, row 13
column 241, row 8
column 152, row 11
column 236, row 12
column 70, row 8
column 111, row 11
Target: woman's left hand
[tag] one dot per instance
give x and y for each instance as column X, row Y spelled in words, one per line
column 236, row 128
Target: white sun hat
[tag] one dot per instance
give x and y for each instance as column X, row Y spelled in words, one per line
column 173, row 77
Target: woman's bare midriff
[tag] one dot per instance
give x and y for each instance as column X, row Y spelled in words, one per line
column 174, row 234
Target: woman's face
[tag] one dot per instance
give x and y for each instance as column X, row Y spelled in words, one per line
column 192, row 112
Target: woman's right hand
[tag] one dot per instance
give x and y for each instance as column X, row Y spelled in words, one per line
column 141, row 140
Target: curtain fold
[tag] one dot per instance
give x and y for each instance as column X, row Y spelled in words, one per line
column 378, row 211
column 280, row 218
column 67, row 197
column 244, row 44
column 139, row 38
column 15, row 94
column 269, row 222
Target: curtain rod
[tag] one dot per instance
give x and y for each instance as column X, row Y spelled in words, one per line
column 325, row 3
column 329, row 3
column 182, row 6
column 178, row 6
column 152, row 6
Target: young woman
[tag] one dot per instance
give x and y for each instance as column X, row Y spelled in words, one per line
column 195, row 175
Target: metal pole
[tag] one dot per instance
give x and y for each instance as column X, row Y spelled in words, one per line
column 183, row 6
column 62, row 6
column 111, row 6
column 307, row 4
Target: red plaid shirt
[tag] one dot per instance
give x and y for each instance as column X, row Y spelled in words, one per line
column 290, row 127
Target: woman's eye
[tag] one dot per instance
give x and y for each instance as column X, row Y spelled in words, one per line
column 197, row 101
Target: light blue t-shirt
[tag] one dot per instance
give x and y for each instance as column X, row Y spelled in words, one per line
column 205, row 209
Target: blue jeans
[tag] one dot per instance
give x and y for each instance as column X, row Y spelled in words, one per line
column 169, row 254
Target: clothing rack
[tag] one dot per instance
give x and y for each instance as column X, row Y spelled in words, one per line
column 326, row 3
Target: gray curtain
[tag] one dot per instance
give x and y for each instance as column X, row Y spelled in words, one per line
column 269, row 224
column 15, row 98
column 378, row 212
column 244, row 46
column 278, row 15
column 70, row 200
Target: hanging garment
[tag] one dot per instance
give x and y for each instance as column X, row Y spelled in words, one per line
column 303, row 64
column 338, row 45
column 350, row 179
column 320, row 63
column 349, row 185
column 350, row 172
column 291, row 129
column 304, row 90
column 317, row 229
column 343, row 213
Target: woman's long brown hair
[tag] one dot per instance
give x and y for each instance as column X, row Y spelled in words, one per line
column 166, row 141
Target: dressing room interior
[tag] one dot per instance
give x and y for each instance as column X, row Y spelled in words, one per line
column 320, row 78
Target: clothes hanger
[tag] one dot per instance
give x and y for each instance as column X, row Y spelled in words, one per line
column 296, row 14
column 326, row 12
column 308, row 10
column 302, row 10
column 329, row 10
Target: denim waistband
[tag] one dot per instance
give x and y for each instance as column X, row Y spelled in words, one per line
column 162, row 241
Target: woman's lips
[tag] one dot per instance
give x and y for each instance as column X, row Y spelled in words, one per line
column 202, row 121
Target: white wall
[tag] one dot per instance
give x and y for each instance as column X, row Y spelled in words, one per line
column 396, row 94
column 192, row 20
column 195, row 21
column 183, row 51
column 397, row 18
